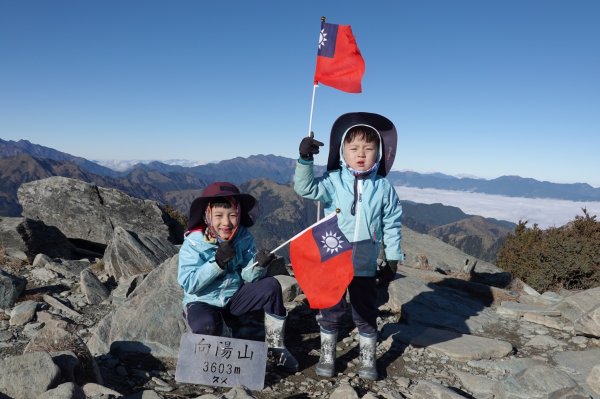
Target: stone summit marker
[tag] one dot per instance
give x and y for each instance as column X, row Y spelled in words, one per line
column 221, row 361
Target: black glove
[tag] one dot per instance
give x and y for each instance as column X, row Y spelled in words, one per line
column 225, row 253
column 386, row 274
column 264, row 257
column 308, row 147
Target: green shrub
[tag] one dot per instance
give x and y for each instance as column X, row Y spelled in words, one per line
column 559, row 257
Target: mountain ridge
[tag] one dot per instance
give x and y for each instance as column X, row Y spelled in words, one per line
column 281, row 170
column 10, row 148
column 178, row 190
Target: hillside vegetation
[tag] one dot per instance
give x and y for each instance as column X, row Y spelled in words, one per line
column 566, row 257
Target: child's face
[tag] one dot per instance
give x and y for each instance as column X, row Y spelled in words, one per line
column 360, row 155
column 224, row 221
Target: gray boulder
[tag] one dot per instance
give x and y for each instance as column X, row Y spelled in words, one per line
column 85, row 211
column 125, row 289
column 447, row 343
column 68, row 390
column 149, row 321
column 59, row 342
column 431, row 390
column 593, row 379
column 289, row 287
column 437, row 306
column 344, row 391
column 68, row 268
column 10, row 288
column 92, row 390
column 589, row 323
column 579, row 365
column 423, row 248
column 95, row 292
column 538, row 382
column 37, row 369
column 41, row 260
column 129, row 253
column 32, row 237
column 575, row 306
column 23, row 313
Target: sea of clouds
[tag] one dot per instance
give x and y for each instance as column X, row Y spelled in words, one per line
column 543, row 211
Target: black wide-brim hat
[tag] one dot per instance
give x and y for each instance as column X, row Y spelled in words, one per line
column 248, row 204
column 385, row 128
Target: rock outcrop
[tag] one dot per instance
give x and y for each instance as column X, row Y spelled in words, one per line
column 28, row 376
column 31, row 237
column 87, row 212
column 11, row 287
column 129, row 254
column 150, row 321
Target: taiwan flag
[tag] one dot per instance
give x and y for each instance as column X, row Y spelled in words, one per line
column 321, row 258
column 339, row 62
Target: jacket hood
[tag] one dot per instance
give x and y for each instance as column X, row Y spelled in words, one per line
column 383, row 126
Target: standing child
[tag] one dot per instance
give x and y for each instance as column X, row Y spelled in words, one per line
column 361, row 153
column 217, row 272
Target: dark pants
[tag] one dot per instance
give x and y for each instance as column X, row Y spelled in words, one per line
column 263, row 294
column 363, row 299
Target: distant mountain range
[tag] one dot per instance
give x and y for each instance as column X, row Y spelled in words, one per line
column 125, row 165
column 511, row 186
column 23, row 147
column 269, row 178
column 281, row 170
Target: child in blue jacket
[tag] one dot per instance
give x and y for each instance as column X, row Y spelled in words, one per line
column 217, row 269
column 362, row 150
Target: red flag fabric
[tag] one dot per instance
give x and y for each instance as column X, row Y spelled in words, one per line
column 321, row 258
column 339, row 62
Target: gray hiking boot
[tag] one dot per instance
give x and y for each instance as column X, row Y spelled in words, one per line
column 274, row 335
column 326, row 366
column 367, row 368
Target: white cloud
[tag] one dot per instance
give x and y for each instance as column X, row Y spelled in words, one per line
column 545, row 212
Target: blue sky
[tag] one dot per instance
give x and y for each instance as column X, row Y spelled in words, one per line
column 484, row 88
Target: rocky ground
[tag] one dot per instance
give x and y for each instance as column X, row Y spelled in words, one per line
column 107, row 323
column 413, row 370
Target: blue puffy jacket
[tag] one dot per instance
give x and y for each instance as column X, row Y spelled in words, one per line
column 376, row 217
column 203, row 280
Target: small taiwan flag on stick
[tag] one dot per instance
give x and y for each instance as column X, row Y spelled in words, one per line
column 321, row 258
column 339, row 62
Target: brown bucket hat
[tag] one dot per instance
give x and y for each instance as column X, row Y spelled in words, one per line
column 248, row 204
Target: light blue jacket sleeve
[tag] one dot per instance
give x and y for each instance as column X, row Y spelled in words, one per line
column 392, row 212
column 197, row 267
column 306, row 185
